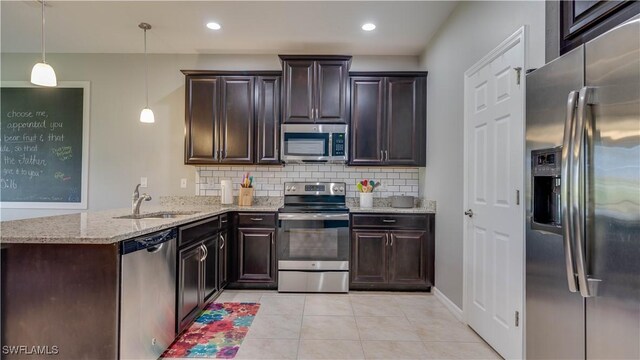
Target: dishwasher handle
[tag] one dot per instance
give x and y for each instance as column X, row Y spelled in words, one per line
column 152, row 242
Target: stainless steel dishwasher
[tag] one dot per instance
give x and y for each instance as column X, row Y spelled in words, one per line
column 148, row 295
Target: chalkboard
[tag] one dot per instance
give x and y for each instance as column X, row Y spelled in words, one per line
column 44, row 145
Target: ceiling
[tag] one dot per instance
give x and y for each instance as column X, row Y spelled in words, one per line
column 256, row 27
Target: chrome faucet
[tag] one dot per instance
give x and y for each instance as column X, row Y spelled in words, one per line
column 136, row 200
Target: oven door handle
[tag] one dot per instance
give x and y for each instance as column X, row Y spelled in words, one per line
column 316, row 216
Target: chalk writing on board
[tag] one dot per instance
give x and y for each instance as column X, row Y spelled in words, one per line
column 41, row 144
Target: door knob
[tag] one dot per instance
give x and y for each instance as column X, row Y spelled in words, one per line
column 469, row 213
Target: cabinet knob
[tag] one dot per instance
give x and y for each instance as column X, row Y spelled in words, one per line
column 469, row 213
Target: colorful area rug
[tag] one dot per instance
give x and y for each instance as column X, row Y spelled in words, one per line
column 216, row 334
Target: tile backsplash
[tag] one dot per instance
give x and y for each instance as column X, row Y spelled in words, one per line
column 269, row 180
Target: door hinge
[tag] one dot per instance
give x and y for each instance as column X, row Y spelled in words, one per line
column 517, row 318
column 518, row 71
column 517, row 197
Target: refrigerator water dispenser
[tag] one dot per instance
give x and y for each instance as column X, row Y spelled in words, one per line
column 545, row 169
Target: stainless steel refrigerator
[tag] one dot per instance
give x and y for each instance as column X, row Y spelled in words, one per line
column 583, row 201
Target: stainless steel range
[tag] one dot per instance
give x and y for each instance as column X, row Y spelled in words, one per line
column 313, row 238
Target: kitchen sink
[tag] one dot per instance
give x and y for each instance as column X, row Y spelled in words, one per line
column 159, row 215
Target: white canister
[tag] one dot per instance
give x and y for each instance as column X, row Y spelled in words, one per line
column 366, row 200
column 226, row 192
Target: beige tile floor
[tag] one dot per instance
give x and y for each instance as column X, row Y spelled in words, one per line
column 360, row 325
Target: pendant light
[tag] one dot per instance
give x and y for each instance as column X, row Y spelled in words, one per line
column 42, row 73
column 146, row 116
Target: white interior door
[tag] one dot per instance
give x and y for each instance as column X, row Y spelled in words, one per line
column 494, row 166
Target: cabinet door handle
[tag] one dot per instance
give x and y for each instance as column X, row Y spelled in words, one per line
column 386, row 153
column 204, row 252
column 388, row 220
column 386, row 240
column 381, row 155
column 391, row 240
column 256, row 219
column 223, row 241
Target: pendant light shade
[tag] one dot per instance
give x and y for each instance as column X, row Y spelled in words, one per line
column 42, row 73
column 146, row 115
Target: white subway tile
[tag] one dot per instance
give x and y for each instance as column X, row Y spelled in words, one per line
column 275, row 193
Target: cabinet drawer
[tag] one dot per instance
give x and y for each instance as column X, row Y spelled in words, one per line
column 197, row 231
column 257, row 220
column 390, row 221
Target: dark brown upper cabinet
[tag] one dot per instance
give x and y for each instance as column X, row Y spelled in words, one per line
column 237, row 119
column 367, row 120
column 315, row 89
column 232, row 117
column 388, row 119
column 268, row 119
column 583, row 20
column 201, row 119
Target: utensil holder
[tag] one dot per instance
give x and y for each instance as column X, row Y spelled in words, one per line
column 245, row 197
column 366, row 200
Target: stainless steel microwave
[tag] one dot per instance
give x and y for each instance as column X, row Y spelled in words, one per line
column 314, row 143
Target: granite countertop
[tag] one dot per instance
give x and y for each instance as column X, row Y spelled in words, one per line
column 392, row 210
column 102, row 227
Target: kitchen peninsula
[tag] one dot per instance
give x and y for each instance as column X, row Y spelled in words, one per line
column 68, row 270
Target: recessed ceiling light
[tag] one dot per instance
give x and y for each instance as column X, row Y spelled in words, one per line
column 368, row 27
column 214, row 26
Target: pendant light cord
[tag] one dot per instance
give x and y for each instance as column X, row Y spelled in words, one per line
column 42, row 33
column 146, row 68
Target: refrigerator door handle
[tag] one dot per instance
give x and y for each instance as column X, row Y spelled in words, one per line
column 565, row 193
column 578, row 190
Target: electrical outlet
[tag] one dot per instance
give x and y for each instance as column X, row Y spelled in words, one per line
column 183, row 183
column 143, row 182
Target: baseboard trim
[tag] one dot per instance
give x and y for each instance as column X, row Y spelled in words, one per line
column 455, row 310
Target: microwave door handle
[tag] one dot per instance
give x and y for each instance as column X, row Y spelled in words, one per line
column 565, row 193
column 330, row 145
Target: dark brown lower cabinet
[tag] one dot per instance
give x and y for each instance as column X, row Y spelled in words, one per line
column 369, row 259
column 407, row 257
column 223, row 260
column 210, row 267
column 385, row 256
column 190, row 280
column 256, row 255
column 199, row 267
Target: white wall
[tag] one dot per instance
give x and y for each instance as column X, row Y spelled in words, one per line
column 121, row 148
column 473, row 29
